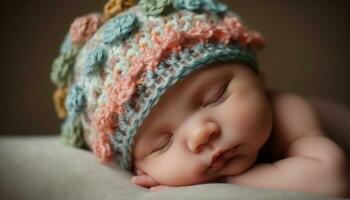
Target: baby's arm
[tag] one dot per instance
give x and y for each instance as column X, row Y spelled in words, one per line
column 320, row 168
column 312, row 163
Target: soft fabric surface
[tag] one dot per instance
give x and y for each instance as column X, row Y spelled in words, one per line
column 42, row 168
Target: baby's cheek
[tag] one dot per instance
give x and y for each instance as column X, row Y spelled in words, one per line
column 253, row 120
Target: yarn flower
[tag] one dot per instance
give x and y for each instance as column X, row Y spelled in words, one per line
column 154, row 7
column 84, row 27
column 113, row 7
column 59, row 97
column 212, row 5
column 73, row 132
column 95, row 60
column 188, row 4
column 76, row 100
column 62, row 67
column 120, row 28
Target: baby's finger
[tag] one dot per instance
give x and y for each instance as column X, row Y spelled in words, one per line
column 158, row 188
column 144, row 181
column 140, row 172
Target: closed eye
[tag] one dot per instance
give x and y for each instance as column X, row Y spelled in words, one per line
column 165, row 144
column 219, row 98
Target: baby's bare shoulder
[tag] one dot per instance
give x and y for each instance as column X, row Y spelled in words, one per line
column 297, row 130
column 293, row 118
column 293, row 115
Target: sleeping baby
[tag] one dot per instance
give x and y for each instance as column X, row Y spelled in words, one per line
column 171, row 90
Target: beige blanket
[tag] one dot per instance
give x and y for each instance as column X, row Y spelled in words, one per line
column 42, row 168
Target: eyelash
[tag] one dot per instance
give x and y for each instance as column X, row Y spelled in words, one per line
column 166, row 146
column 219, row 99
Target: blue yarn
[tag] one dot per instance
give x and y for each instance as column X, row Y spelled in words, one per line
column 62, row 67
column 212, row 5
column 192, row 5
column 73, row 132
column 95, row 61
column 66, row 45
column 120, row 28
column 76, row 101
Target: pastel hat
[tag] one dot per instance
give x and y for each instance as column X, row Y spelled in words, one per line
column 115, row 66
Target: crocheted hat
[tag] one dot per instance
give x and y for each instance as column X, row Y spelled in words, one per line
column 114, row 67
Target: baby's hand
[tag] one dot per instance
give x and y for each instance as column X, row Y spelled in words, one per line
column 143, row 180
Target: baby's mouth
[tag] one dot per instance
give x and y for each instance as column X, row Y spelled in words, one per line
column 221, row 157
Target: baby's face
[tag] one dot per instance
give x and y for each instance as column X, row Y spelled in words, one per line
column 221, row 107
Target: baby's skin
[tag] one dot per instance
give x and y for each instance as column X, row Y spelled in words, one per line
column 212, row 125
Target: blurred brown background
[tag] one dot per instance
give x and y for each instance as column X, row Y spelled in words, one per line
column 307, row 52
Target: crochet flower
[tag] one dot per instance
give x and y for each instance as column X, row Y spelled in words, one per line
column 188, row 4
column 84, row 27
column 95, row 60
column 76, row 100
column 120, row 28
column 59, row 97
column 154, row 7
column 73, row 132
column 212, row 5
column 62, row 67
column 113, row 7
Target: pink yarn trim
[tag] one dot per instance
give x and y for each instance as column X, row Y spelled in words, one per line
column 103, row 149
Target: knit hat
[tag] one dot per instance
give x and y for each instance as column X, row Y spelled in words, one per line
column 114, row 66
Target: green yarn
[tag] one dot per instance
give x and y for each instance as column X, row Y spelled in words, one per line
column 75, row 101
column 120, row 28
column 187, row 4
column 73, row 133
column 154, row 7
column 62, row 66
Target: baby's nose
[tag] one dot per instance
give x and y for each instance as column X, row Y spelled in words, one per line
column 202, row 135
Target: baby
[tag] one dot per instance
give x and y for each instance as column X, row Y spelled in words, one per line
column 171, row 90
